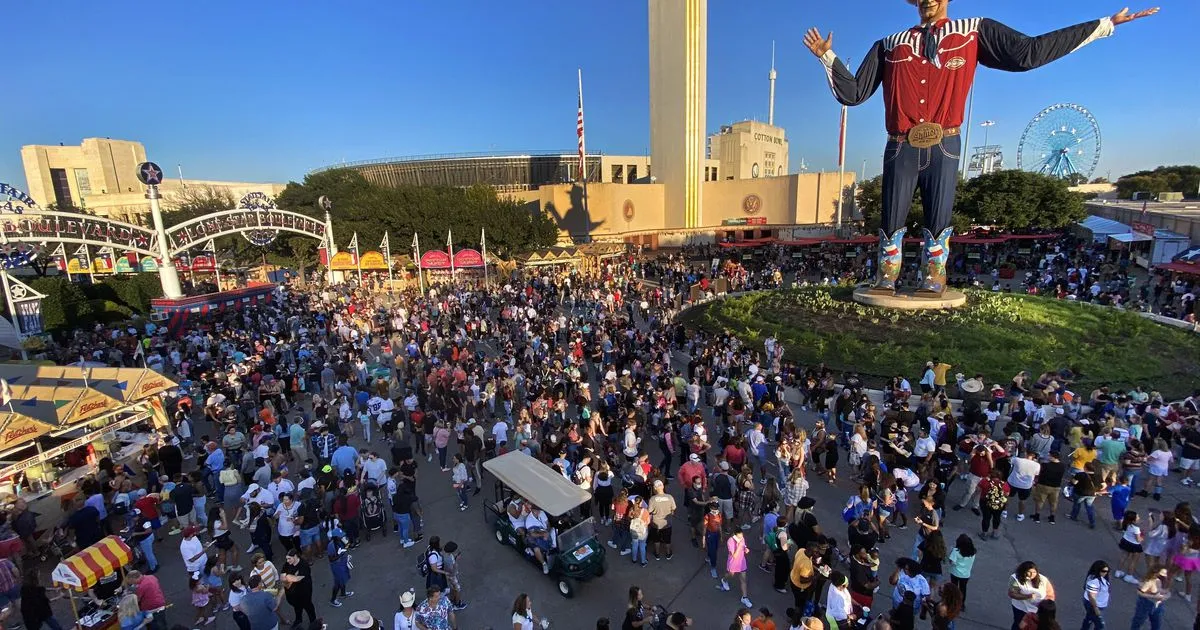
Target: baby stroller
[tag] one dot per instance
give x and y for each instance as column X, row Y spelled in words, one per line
column 373, row 514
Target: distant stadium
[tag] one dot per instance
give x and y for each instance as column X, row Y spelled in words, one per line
column 508, row 172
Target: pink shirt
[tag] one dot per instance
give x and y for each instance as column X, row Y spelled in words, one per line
column 441, row 437
column 736, row 545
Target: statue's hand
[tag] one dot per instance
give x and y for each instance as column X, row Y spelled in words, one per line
column 1120, row 17
column 819, row 46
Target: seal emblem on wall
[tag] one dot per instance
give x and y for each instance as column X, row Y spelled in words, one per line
column 627, row 209
column 751, row 204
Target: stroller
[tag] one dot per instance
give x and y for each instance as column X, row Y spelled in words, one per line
column 373, row 514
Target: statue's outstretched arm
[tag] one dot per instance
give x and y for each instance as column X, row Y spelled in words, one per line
column 853, row 89
column 1004, row 48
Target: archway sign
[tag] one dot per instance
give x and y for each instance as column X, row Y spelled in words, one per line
column 256, row 218
column 25, row 228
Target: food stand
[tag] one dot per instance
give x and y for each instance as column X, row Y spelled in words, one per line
column 64, row 412
column 85, row 570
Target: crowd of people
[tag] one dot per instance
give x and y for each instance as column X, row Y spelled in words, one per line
column 300, row 423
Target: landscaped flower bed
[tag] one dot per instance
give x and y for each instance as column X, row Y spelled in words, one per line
column 996, row 334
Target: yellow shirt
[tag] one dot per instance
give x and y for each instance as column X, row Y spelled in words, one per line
column 939, row 373
column 1080, row 457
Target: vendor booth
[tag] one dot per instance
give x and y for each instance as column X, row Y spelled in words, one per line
column 100, row 564
column 60, row 420
column 1097, row 229
column 1150, row 247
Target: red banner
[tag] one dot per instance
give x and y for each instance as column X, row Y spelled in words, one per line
column 435, row 259
column 182, row 264
column 1143, row 228
column 203, row 263
column 465, row 258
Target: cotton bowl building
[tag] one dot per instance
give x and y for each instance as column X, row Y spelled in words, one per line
column 624, row 199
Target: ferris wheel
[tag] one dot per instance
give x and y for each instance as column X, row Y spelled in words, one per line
column 1061, row 141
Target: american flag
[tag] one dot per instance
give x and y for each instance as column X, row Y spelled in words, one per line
column 579, row 131
column 1144, row 202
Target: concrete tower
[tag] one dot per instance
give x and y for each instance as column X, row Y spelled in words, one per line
column 771, row 76
column 678, row 84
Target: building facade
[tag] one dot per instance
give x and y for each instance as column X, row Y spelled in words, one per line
column 100, row 176
column 749, row 150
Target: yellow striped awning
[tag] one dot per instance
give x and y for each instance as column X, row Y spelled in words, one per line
column 82, row 570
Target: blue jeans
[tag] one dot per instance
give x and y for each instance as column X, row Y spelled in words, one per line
column 462, row 493
column 441, row 450
column 147, row 545
column 621, row 536
column 639, row 547
column 1146, row 609
column 1086, row 502
column 404, row 522
column 1090, row 618
column 712, row 546
column 934, row 170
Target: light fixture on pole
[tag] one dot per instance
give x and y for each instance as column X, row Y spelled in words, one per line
column 986, row 167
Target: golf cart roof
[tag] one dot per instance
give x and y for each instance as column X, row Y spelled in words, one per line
column 537, row 482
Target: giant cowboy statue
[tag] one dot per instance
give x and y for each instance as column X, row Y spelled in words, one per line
column 926, row 72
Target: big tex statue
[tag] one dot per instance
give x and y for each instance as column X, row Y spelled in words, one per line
column 926, row 72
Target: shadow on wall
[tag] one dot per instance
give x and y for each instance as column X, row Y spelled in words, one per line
column 576, row 221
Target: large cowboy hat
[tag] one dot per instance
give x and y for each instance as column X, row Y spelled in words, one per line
column 972, row 386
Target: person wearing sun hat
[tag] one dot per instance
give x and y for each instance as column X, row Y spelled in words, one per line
column 926, row 72
column 406, row 617
column 364, row 620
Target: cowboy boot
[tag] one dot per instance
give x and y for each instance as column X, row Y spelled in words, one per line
column 890, row 260
column 935, row 252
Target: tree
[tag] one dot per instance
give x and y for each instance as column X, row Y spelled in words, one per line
column 870, row 204
column 1099, row 180
column 193, row 202
column 1076, row 179
column 1184, row 179
column 1019, row 200
column 431, row 211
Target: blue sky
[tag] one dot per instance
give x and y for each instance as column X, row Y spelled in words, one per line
column 267, row 90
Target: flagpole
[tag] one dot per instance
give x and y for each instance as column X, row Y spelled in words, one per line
column 483, row 246
column 357, row 259
column 450, row 245
column 387, row 256
column 66, row 261
column 87, row 251
column 417, row 258
column 583, row 154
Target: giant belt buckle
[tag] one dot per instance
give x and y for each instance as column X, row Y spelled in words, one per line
column 925, row 135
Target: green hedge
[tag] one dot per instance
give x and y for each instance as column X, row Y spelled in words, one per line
column 69, row 305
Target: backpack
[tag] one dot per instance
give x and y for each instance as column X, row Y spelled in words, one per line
column 423, row 563
column 995, row 498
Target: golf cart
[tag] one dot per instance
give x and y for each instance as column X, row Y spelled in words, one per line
column 574, row 554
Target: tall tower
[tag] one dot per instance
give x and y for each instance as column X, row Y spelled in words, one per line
column 771, row 76
column 678, row 88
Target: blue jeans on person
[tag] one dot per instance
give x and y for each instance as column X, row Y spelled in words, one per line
column 1086, row 502
column 620, row 536
column 441, row 456
column 1091, row 621
column 463, row 491
column 712, row 545
column 404, row 523
column 639, row 550
column 1147, row 609
column 147, row 545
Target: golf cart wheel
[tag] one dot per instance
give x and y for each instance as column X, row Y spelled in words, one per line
column 499, row 536
column 566, row 587
column 601, row 569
